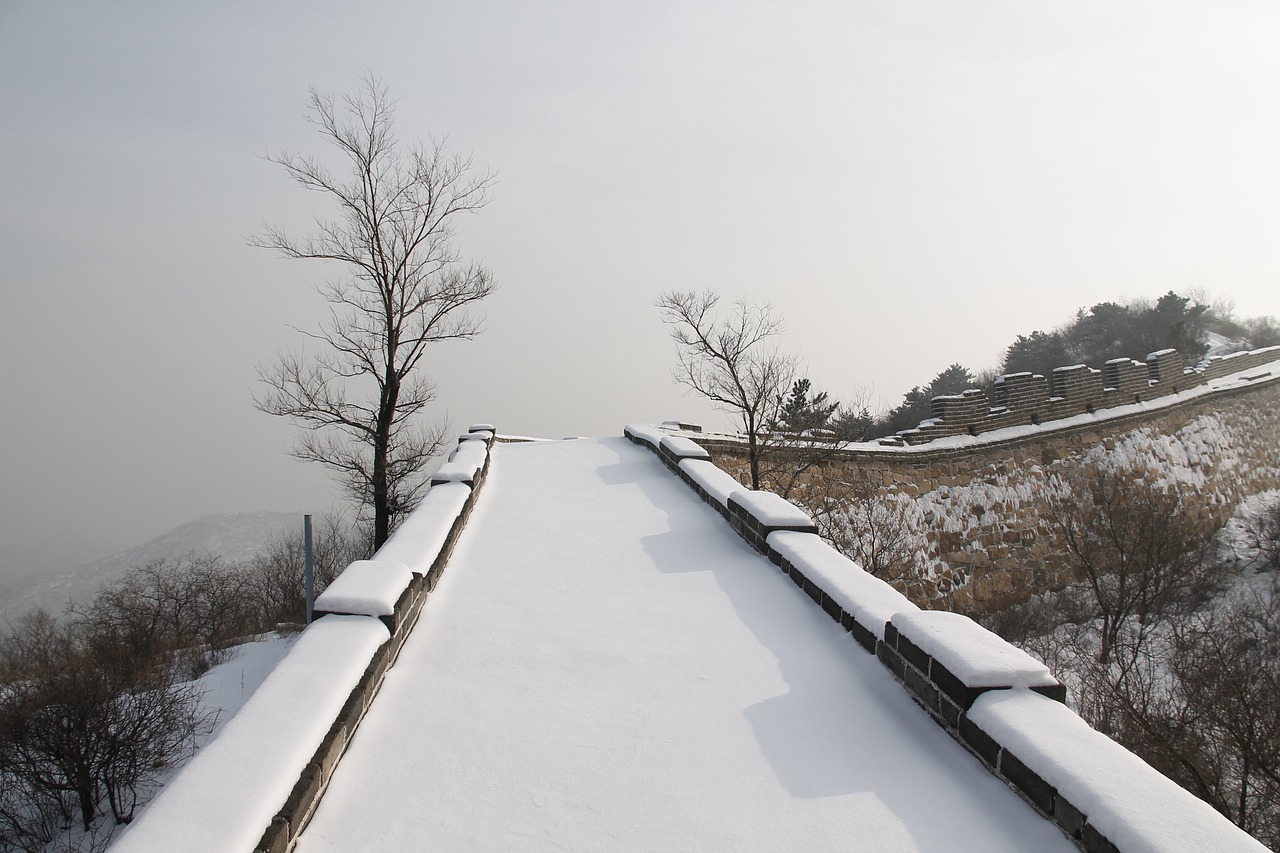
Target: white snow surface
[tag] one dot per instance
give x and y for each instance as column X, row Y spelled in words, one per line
column 366, row 587
column 465, row 460
column 226, row 796
column 970, row 652
column 718, row 483
column 684, row 448
column 419, row 539
column 870, row 600
column 606, row 666
column 1137, row 808
column 650, row 434
column 771, row 510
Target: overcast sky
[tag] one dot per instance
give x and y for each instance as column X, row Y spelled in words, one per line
column 910, row 183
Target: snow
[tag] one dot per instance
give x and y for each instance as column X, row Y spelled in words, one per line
column 226, row 687
column 970, row 652
column 225, row 798
column 479, row 435
column 481, row 428
column 717, row 483
column 770, row 509
column 648, row 434
column 868, row 599
column 465, row 460
column 367, row 588
column 606, row 666
column 1137, row 808
column 418, row 541
column 684, row 448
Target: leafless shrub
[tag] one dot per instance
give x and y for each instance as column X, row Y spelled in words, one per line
column 274, row 577
column 86, row 720
column 1152, row 652
column 1262, row 534
column 872, row 527
column 1140, row 547
column 195, row 605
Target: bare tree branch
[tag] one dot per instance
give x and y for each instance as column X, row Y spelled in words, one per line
column 731, row 360
column 405, row 288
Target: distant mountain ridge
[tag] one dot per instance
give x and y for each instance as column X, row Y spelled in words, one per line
column 235, row 537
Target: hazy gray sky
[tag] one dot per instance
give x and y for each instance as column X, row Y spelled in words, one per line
column 911, row 183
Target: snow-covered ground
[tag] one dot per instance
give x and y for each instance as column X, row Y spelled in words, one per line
column 227, row 685
column 606, row 666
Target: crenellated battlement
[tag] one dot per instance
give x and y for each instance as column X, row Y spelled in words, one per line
column 1020, row 399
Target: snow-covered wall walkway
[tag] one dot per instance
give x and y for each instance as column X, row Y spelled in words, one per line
column 607, row 666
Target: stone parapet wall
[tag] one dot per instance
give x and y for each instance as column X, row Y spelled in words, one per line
column 312, row 783
column 980, row 512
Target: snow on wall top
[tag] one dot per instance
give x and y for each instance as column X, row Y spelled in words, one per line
column 231, row 789
column 684, row 448
column 1137, row 808
column 970, row 652
column 651, row 435
column 367, row 588
column 465, row 460
column 419, row 539
column 871, row 601
column 718, row 484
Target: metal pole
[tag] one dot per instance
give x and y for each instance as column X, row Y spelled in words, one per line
column 309, row 570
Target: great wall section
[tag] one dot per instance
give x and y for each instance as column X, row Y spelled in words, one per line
column 1001, row 706
column 971, row 486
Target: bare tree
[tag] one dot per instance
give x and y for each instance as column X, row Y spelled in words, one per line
column 1262, row 535
column 730, row 360
column 404, row 287
column 1226, row 667
column 877, row 528
column 1138, row 545
column 275, row 574
column 196, row 605
column 84, row 716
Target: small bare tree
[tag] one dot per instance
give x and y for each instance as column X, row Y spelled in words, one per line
column 405, row 288
column 877, row 528
column 730, row 360
column 196, row 605
column 1226, row 669
column 1262, row 535
column 1138, row 545
column 275, row 575
column 84, row 716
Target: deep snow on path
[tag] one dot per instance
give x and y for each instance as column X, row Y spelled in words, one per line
column 606, row 666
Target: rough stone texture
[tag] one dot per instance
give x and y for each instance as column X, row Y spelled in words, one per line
column 1038, row 791
column 983, row 745
column 980, row 512
column 1095, row 842
column 276, row 838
